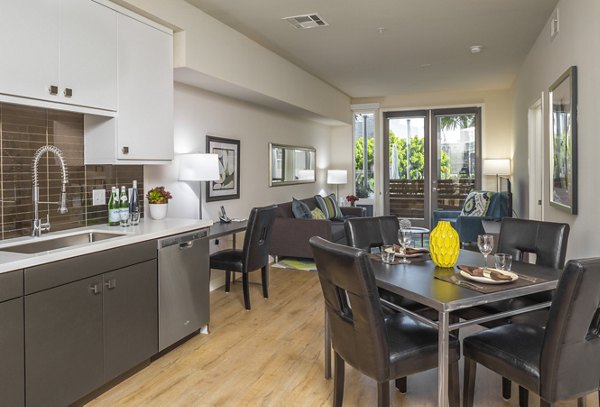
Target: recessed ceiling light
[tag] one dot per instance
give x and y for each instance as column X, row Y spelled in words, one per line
column 475, row 49
column 423, row 66
column 381, row 29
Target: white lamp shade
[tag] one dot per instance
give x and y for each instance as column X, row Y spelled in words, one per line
column 337, row 176
column 499, row 166
column 199, row 167
column 306, row 175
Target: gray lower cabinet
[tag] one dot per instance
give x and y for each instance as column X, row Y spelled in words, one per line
column 63, row 338
column 12, row 355
column 130, row 317
column 82, row 334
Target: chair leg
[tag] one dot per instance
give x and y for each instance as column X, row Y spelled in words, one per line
column 338, row 380
column 580, row 402
column 469, row 382
column 383, row 394
column 401, row 384
column 265, row 281
column 506, row 389
column 523, row 397
column 227, row 280
column 454, row 385
column 246, row 286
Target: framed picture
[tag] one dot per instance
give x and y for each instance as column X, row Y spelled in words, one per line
column 563, row 141
column 228, row 184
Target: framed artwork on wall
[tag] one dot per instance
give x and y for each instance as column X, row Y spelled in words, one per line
column 563, row 141
column 228, row 184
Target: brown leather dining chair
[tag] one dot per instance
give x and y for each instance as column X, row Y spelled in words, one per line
column 559, row 362
column 382, row 347
column 253, row 256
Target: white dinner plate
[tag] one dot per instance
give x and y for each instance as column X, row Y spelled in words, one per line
column 487, row 280
column 408, row 256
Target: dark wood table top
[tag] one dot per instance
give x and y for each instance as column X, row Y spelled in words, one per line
column 219, row 229
column 416, row 281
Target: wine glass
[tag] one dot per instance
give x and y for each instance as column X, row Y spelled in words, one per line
column 405, row 241
column 485, row 243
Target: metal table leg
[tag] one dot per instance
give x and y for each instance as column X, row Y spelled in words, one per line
column 327, row 347
column 443, row 356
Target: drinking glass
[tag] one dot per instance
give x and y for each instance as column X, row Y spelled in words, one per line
column 387, row 254
column 405, row 241
column 503, row 261
column 485, row 243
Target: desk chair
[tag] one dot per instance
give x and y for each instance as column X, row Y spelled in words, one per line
column 253, row 256
column 559, row 362
column 383, row 348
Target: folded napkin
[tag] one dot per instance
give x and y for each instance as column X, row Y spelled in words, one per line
column 481, row 272
column 410, row 250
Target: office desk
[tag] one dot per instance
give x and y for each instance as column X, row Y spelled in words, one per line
column 416, row 281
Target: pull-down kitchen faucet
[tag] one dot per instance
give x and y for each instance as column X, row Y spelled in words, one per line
column 38, row 226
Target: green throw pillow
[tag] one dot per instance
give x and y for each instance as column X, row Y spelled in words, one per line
column 476, row 204
column 317, row 214
column 328, row 204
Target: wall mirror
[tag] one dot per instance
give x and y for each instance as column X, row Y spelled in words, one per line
column 290, row 165
column 563, row 141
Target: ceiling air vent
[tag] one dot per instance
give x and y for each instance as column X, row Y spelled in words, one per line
column 306, row 21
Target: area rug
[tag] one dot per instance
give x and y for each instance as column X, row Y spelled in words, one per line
column 296, row 264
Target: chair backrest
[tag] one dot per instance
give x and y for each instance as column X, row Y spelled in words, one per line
column 570, row 357
column 352, row 304
column 365, row 233
column 258, row 237
column 548, row 240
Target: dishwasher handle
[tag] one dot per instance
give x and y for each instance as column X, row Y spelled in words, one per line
column 186, row 245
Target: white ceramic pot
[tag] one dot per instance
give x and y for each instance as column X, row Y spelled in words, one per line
column 158, row 211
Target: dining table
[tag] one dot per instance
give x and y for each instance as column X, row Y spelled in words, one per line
column 444, row 290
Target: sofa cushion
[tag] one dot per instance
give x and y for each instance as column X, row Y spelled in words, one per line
column 317, row 214
column 476, row 203
column 328, row 204
column 300, row 209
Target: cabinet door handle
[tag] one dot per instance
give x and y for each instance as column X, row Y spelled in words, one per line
column 68, row 92
column 125, row 150
column 110, row 284
column 95, row 289
column 53, row 89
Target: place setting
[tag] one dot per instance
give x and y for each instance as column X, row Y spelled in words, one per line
column 402, row 252
column 489, row 279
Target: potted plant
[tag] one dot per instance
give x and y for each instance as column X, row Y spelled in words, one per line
column 158, row 199
column 352, row 199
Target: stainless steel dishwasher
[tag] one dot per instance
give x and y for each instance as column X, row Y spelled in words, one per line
column 183, row 286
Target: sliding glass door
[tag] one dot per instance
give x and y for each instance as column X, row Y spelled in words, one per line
column 432, row 161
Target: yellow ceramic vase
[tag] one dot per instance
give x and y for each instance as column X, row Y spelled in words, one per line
column 444, row 245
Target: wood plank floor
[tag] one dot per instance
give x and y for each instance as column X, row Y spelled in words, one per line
column 271, row 356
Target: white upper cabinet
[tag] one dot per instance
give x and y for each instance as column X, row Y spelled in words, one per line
column 142, row 131
column 60, row 51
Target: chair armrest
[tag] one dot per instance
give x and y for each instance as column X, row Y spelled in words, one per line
column 440, row 214
column 354, row 211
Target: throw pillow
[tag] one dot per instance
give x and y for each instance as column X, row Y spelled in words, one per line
column 300, row 209
column 317, row 214
column 476, row 204
column 328, row 204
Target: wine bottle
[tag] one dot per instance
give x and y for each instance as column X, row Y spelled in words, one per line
column 134, row 205
column 114, row 212
column 124, row 207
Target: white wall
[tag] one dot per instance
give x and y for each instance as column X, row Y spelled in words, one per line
column 198, row 113
column 577, row 43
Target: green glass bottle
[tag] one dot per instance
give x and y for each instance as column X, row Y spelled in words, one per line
column 114, row 211
column 124, row 207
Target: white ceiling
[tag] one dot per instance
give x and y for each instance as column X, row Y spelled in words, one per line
column 423, row 48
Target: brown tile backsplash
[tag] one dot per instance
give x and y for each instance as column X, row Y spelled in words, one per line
column 23, row 130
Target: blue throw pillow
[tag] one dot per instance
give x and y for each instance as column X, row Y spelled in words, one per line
column 476, row 204
column 328, row 204
column 300, row 209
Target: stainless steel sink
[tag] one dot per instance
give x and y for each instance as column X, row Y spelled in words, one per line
column 38, row 246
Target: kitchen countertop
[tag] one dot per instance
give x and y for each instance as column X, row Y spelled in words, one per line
column 148, row 229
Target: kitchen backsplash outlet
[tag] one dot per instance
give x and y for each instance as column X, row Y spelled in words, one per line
column 23, row 130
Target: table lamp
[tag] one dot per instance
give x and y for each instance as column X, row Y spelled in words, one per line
column 497, row 167
column 199, row 167
column 337, row 178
